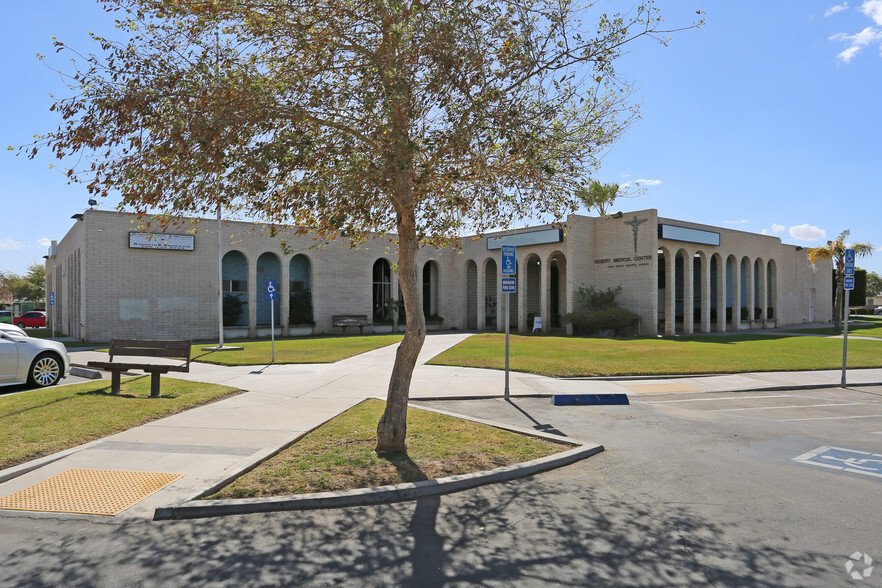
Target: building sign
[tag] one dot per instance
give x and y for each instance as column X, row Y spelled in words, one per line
column 540, row 237
column 162, row 241
column 675, row 233
column 624, row 262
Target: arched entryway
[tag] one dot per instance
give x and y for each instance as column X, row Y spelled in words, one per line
column 491, row 294
column 234, row 276
column 533, row 309
column 471, row 295
column 269, row 268
column 557, row 289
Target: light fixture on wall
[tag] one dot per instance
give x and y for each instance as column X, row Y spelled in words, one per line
column 92, row 202
column 617, row 215
column 77, row 216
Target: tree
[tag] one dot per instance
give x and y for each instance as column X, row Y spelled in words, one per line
column 30, row 287
column 598, row 196
column 874, row 284
column 420, row 119
column 835, row 251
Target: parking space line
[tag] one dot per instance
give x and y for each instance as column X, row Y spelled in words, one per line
column 711, row 399
column 788, row 406
column 860, row 416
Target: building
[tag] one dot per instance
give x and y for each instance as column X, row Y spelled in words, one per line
column 112, row 276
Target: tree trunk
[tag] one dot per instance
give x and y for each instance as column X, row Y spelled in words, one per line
column 392, row 428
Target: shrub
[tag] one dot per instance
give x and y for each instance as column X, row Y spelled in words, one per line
column 300, row 308
column 234, row 308
column 610, row 319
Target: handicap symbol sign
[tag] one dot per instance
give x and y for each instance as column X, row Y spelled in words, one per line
column 849, row 256
column 271, row 291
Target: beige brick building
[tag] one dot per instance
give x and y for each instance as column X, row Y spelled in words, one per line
column 115, row 276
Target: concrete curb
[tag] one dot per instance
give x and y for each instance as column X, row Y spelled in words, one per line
column 379, row 495
column 191, row 508
column 83, row 372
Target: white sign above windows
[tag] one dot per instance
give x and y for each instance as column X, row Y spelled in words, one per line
column 162, row 241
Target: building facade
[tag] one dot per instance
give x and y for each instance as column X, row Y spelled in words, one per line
column 114, row 276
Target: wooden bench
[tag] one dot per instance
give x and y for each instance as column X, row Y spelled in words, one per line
column 179, row 349
column 350, row 320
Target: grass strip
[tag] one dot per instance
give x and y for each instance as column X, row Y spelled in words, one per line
column 340, row 454
column 305, row 350
column 42, row 422
column 572, row 356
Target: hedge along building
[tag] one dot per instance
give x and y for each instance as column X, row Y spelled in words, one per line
column 114, row 276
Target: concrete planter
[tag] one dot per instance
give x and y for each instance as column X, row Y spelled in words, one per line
column 267, row 331
column 756, row 324
column 434, row 326
column 235, row 332
column 743, row 326
column 300, row 330
column 380, row 328
column 771, row 324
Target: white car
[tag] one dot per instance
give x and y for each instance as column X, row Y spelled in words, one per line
column 28, row 360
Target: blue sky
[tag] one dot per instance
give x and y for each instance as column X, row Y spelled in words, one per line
column 767, row 119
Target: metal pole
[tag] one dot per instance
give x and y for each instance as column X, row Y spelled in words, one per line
column 220, row 282
column 845, row 336
column 507, row 327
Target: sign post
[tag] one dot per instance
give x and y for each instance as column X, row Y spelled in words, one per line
column 272, row 295
column 509, row 285
column 52, row 308
column 848, row 286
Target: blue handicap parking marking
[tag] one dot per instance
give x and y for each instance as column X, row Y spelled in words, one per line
column 845, row 460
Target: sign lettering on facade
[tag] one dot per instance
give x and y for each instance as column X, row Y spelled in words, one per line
column 162, row 241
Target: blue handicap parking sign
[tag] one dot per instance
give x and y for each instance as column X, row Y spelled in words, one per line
column 272, row 292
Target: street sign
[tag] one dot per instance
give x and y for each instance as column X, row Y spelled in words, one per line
column 272, row 292
column 51, row 298
column 509, row 285
column 849, row 263
column 849, row 283
column 509, row 264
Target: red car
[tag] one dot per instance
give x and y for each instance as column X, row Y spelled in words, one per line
column 32, row 318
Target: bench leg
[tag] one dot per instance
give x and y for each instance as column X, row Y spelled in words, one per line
column 154, row 384
column 114, row 382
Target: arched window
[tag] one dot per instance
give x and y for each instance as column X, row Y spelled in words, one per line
column 430, row 289
column 382, row 290
column 300, row 296
column 235, row 286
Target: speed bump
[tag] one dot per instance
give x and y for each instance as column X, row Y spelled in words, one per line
column 101, row 492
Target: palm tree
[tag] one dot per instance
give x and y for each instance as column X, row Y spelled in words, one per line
column 835, row 250
column 598, row 196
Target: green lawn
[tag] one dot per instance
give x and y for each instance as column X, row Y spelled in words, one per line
column 865, row 326
column 571, row 356
column 340, row 454
column 41, row 422
column 307, row 350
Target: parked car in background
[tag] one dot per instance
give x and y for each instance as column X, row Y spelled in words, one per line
column 877, row 310
column 28, row 360
column 5, row 316
column 32, row 318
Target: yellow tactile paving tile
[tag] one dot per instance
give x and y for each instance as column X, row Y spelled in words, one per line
column 660, row 388
column 102, row 492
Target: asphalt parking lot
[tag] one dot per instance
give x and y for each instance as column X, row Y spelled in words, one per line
column 693, row 489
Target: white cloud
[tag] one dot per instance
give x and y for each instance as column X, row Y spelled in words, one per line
column 807, row 232
column 868, row 36
column 9, row 244
column 838, row 8
column 644, row 182
column 778, row 229
column 736, row 222
column 873, row 9
column 44, row 242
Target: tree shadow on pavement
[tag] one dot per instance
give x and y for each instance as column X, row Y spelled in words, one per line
column 550, row 529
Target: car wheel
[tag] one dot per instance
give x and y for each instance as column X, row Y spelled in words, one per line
column 45, row 371
column 21, row 325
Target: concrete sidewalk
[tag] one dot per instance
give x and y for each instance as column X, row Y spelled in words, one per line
column 282, row 402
